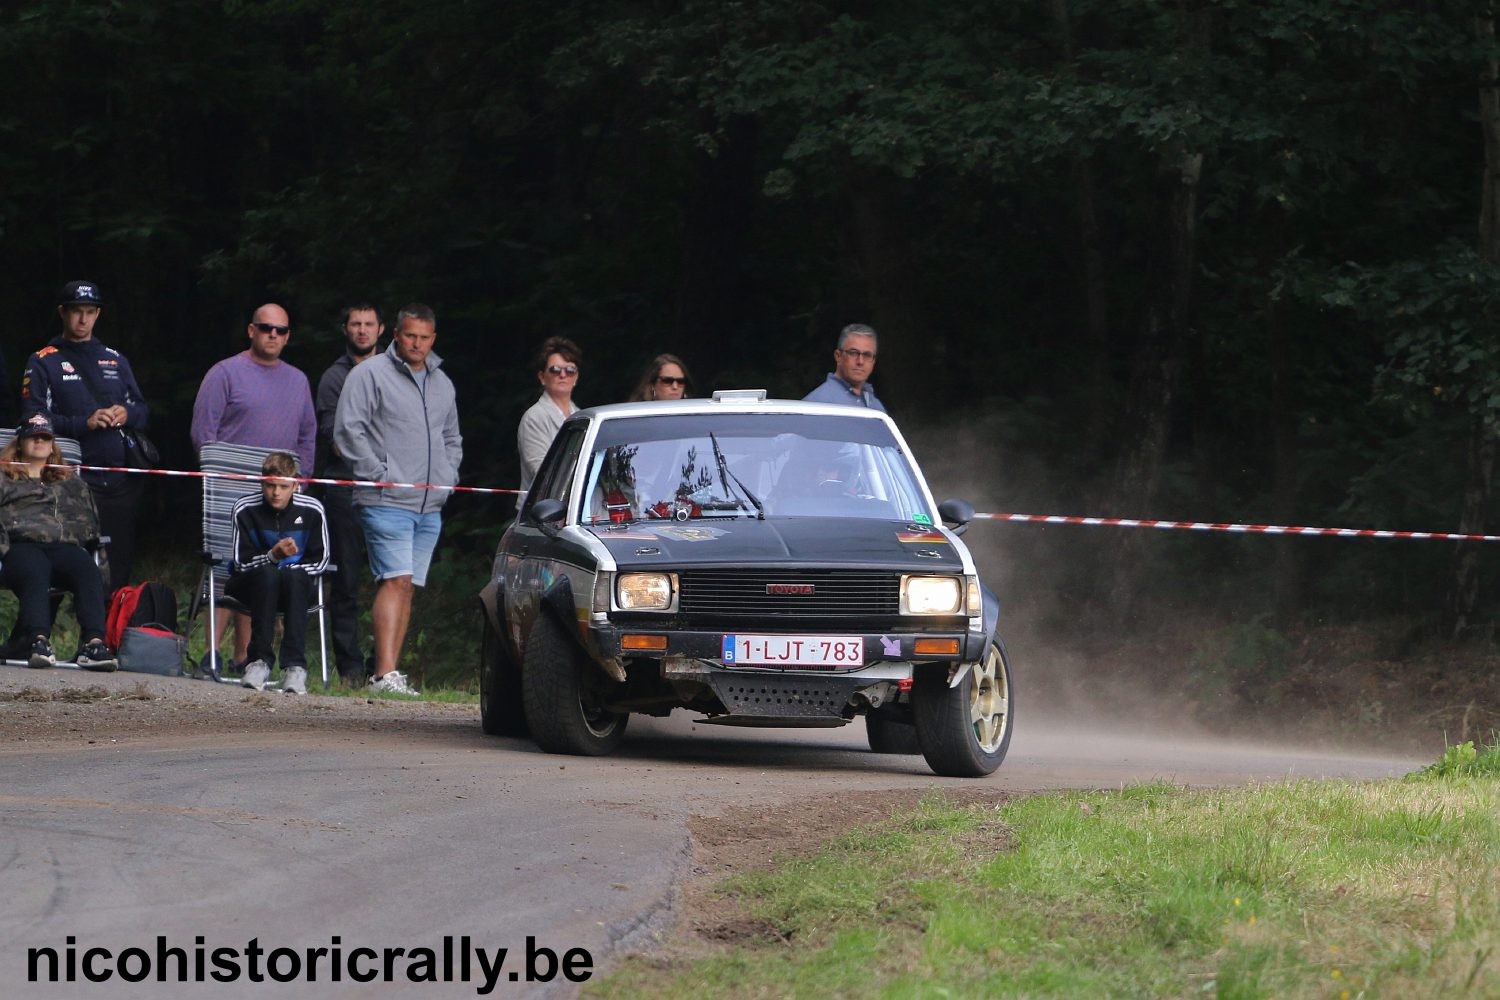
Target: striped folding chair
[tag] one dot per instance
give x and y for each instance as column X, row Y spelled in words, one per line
column 219, row 498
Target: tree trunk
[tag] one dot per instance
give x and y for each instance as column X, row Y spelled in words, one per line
column 1158, row 365
column 1481, row 446
column 1091, row 264
column 1287, row 572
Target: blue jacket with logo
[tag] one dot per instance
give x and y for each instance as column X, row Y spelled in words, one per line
column 258, row 527
column 54, row 384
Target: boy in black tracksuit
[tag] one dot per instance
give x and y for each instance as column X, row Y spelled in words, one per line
column 280, row 545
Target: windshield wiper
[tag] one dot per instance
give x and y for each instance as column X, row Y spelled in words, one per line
column 726, row 474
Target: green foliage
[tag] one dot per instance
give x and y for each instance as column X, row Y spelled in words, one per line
column 1309, row 889
column 1463, row 760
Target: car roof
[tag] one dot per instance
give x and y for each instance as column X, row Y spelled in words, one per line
column 738, row 404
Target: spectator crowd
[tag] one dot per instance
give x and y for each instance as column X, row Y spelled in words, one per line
column 378, row 416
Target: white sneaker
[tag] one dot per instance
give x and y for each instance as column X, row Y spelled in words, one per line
column 256, row 675
column 394, row 682
column 294, row 680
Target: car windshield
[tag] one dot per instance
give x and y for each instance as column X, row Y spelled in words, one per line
column 748, row 465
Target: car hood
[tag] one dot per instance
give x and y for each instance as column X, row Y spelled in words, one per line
column 825, row 541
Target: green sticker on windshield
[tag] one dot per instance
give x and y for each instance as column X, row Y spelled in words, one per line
column 920, row 518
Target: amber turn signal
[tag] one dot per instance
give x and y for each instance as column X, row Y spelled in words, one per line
column 936, row 647
column 656, row 643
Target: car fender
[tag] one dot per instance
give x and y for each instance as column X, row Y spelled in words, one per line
column 990, row 626
column 491, row 604
column 991, row 605
column 558, row 603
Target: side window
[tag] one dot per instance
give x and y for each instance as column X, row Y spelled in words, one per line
column 556, row 473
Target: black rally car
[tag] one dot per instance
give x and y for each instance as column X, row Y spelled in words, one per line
column 762, row 562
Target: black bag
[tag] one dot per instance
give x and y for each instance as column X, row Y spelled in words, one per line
column 157, row 606
column 147, row 650
column 140, row 451
column 148, row 603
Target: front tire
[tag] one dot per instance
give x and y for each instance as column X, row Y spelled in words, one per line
column 500, row 708
column 563, row 695
column 965, row 730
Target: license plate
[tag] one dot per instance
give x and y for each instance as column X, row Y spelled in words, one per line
column 794, row 650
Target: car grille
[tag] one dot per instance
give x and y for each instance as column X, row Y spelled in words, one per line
column 837, row 594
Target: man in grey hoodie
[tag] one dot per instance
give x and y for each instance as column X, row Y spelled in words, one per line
column 397, row 422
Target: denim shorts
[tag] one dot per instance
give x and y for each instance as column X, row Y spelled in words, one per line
column 400, row 541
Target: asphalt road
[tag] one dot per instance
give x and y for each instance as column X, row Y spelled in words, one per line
column 345, row 834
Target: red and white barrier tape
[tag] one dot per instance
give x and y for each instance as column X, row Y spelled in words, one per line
column 256, row 477
column 1110, row 522
column 1244, row 529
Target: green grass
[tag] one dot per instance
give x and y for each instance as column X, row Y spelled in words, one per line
column 1307, row 889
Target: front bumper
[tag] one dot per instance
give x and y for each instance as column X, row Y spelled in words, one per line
column 888, row 647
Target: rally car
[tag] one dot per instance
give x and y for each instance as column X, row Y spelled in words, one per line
column 760, row 562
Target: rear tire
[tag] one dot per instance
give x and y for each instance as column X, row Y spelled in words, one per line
column 501, row 712
column 563, row 694
column 888, row 735
column 965, row 730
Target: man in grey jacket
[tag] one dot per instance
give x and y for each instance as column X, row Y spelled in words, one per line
column 397, row 422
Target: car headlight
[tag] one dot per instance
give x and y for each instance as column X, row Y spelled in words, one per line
column 932, row 595
column 643, row 591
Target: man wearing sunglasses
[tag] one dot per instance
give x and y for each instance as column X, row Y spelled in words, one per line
column 853, row 363
column 254, row 398
column 557, row 371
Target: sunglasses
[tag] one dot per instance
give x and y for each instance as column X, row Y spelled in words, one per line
column 568, row 370
column 671, row 380
column 849, row 352
column 272, row 328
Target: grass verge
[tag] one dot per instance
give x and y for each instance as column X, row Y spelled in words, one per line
column 1307, row 889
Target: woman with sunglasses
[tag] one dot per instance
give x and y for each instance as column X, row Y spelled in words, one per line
column 666, row 378
column 47, row 517
column 557, row 371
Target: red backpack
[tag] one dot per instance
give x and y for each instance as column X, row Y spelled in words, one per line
column 148, row 603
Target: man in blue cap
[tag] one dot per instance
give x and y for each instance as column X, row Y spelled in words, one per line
column 89, row 392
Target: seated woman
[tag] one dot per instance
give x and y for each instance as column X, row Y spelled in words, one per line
column 47, row 517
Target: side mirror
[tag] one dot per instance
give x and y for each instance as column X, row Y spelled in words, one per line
column 548, row 514
column 956, row 514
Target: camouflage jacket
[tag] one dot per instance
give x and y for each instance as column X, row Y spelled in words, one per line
column 35, row 511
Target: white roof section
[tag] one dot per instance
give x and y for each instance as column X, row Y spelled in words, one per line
column 738, row 404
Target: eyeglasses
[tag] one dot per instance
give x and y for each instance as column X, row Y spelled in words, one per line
column 275, row 328
column 671, row 380
column 854, row 355
column 568, row 370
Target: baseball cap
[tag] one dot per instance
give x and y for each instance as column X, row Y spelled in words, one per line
column 80, row 293
column 36, row 425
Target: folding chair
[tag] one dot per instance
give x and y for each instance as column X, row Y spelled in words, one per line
column 72, row 453
column 219, row 498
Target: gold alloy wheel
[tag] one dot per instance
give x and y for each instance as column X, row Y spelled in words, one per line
column 989, row 700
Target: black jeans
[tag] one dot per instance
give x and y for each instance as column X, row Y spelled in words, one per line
column 117, row 505
column 347, row 544
column 31, row 568
column 266, row 591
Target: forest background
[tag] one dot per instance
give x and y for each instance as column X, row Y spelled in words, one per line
column 1220, row 261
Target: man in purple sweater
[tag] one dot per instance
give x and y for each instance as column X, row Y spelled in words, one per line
column 254, row 398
